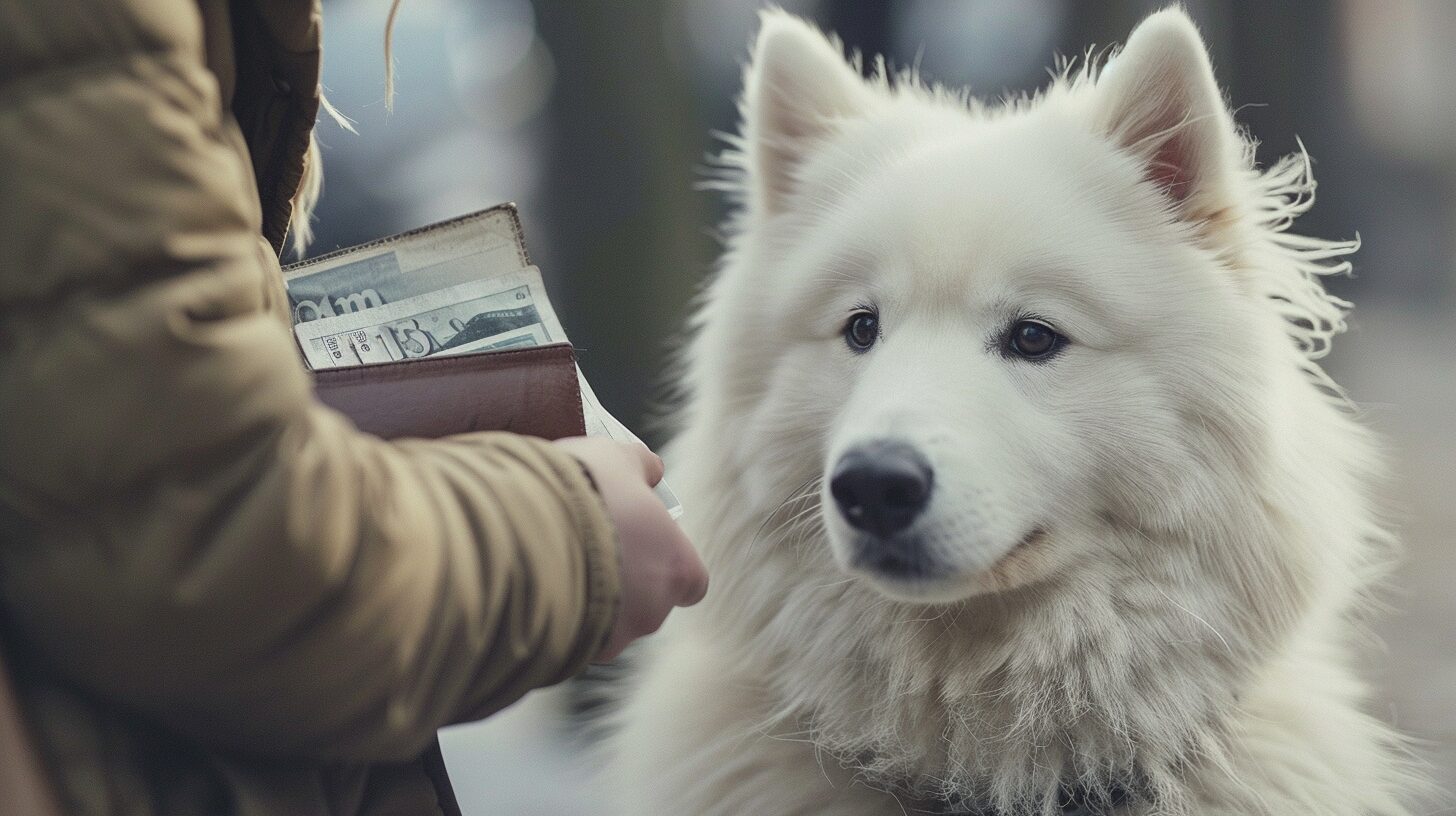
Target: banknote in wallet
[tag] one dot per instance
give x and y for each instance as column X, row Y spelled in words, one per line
column 464, row 286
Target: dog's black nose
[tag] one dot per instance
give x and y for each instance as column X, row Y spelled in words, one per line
column 881, row 486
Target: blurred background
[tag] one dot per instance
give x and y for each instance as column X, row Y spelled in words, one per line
column 597, row 118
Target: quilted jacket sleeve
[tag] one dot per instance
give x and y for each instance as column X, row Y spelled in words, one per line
column 184, row 531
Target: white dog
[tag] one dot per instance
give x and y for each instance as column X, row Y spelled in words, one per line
column 1007, row 448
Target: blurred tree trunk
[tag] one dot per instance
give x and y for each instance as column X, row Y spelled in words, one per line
column 865, row 26
column 628, row 240
column 1282, row 63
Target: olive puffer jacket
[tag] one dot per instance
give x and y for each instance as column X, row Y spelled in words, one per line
column 217, row 595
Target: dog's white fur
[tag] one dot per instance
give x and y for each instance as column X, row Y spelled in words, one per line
column 1182, row 622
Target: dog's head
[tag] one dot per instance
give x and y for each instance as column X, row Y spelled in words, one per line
column 998, row 331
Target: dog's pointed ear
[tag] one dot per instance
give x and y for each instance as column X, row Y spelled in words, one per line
column 797, row 87
column 1158, row 99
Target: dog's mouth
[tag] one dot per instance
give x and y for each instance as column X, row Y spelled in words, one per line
column 905, row 568
column 1027, row 541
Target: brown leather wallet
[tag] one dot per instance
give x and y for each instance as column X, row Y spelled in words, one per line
column 532, row 391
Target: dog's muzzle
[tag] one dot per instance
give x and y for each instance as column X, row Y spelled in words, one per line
column 880, row 489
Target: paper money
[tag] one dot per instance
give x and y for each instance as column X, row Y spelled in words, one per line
column 464, row 250
column 507, row 310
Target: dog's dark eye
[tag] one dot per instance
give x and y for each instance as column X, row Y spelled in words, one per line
column 862, row 330
column 1033, row 340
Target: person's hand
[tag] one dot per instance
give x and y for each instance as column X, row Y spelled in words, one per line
column 659, row 567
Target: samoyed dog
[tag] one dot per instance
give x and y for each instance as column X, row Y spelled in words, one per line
column 1007, row 447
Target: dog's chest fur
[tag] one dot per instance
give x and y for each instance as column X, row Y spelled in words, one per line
column 986, row 702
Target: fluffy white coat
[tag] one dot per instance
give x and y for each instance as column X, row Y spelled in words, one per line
column 1155, row 544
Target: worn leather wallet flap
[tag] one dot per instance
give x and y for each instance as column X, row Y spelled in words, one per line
column 532, row 391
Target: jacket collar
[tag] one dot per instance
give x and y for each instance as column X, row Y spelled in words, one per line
column 275, row 98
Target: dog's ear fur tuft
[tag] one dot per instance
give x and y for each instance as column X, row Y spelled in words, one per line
column 1158, row 99
column 798, row 85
